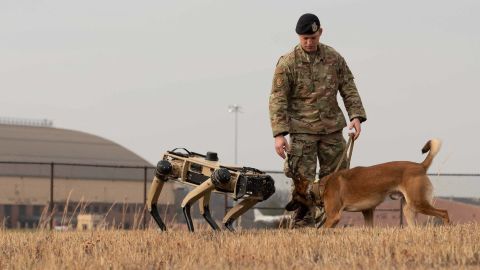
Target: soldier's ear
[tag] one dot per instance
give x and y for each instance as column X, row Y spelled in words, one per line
column 320, row 31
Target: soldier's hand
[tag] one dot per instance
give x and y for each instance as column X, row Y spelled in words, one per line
column 281, row 145
column 355, row 124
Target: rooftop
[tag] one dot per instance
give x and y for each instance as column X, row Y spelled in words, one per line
column 25, row 143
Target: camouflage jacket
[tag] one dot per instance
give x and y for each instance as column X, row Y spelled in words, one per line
column 304, row 94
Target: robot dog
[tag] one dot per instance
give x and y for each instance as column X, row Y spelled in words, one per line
column 206, row 174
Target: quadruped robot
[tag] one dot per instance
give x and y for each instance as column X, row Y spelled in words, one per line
column 206, row 175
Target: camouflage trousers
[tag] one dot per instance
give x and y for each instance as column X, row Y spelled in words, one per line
column 306, row 150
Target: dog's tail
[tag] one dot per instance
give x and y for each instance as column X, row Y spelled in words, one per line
column 432, row 147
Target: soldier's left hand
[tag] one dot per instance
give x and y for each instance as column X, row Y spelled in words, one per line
column 355, row 124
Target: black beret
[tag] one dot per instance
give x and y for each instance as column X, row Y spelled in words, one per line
column 307, row 24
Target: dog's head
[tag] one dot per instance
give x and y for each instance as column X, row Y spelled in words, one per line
column 315, row 197
column 292, row 205
column 300, row 200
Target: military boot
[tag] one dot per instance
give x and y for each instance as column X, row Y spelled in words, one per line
column 318, row 188
column 320, row 217
column 301, row 217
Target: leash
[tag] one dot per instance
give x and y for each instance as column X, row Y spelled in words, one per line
column 320, row 187
column 348, row 149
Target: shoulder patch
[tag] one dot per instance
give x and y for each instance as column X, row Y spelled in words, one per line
column 279, row 81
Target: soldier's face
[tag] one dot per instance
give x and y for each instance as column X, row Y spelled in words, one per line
column 309, row 42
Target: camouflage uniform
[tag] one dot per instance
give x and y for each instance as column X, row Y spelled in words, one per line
column 303, row 103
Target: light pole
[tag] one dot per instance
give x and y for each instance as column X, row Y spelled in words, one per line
column 234, row 109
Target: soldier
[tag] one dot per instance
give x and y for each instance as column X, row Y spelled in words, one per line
column 303, row 104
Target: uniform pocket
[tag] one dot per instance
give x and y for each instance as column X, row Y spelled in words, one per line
column 293, row 157
column 331, row 79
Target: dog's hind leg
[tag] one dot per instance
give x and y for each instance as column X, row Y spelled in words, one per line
column 368, row 217
column 422, row 202
column 427, row 209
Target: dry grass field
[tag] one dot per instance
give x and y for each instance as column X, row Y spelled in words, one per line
column 342, row 248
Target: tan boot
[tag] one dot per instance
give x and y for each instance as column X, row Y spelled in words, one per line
column 298, row 215
column 320, row 217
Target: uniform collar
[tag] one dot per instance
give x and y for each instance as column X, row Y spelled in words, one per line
column 304, row 55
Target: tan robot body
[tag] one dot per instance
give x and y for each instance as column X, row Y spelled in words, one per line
column 206, row 174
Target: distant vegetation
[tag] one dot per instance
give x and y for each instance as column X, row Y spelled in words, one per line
column 343, row 248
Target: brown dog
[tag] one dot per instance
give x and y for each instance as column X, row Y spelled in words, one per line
column 364, row 188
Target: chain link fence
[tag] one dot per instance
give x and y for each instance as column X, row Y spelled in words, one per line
column 57, row 195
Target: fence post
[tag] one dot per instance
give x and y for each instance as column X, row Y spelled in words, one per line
column 401, row 212
column 50, row 206
column 226, row 203
column 145, row 198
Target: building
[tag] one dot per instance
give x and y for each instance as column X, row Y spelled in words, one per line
column 115, row 192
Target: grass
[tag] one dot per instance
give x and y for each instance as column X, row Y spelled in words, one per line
column 360, row 248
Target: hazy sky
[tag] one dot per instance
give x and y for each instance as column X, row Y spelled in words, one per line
column 154, row 75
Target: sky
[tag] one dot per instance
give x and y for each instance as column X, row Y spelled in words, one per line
column 155, row 75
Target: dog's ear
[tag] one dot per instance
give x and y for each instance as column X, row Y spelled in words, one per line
column 292, row 205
